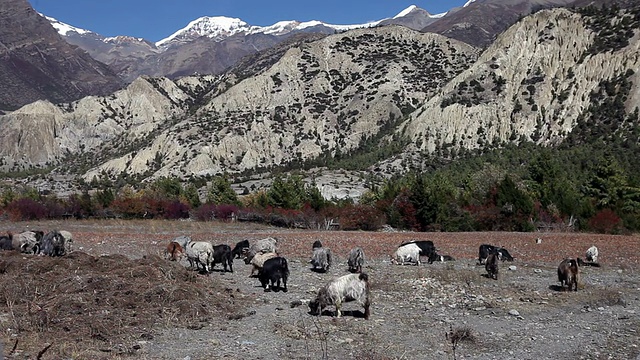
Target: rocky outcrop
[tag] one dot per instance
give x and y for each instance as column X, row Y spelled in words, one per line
column 531, row 84
column 320, row 98
column 480, row 22
column 42, row 134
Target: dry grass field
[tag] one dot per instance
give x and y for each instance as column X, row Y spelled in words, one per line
column 115, row 297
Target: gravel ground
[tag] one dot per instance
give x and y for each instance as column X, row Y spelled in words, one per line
column 445, row 310
column 520, row 316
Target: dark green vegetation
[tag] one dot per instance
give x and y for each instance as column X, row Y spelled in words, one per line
column 612, row 26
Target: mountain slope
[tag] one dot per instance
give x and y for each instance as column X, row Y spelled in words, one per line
column 207, row 45
column 340, row 94
column 533, row 83
column 479, row 22
column 317, row 98
column 35, row 63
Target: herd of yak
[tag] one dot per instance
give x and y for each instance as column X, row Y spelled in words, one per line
column 272, row 270
column 53, row 243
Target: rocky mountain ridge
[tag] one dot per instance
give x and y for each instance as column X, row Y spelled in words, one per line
column 210, row 44
column 36, row 63
column 337, row 95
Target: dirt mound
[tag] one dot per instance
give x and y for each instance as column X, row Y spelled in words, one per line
column 106, row 303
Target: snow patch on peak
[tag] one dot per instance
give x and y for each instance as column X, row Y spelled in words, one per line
column 122, row 39
column 62, row 28
column 468, row 3
column 213, row 27
column 405, row 12
column 281, row 27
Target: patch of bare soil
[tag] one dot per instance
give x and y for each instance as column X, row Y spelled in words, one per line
column 115, row 297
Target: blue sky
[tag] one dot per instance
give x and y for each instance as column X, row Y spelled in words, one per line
column 157, row 19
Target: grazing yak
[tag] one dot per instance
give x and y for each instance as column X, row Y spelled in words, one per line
column 68, row 241
column 174, row 251
column 273, row 271
column 6, row 242
column 409, row 253
column 426, row 246
column 222, row 255
column 199, row 253
column 182, row 240
column 355, row 261
column 437, row 257
column 592, row 254
column 258, row 262
column 53, row 244
column 240, row 249
column 320, row 259
column 491, row 265
column 261, row 246
column 350, row 287
column 30, row 242
column 569, row 274
column 486, row 249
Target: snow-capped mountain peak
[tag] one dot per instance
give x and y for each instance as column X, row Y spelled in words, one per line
column 220, row 27
column 414, row 8
column 281, row 27
column 405, row 12
column 64, row 29
column 214, row 27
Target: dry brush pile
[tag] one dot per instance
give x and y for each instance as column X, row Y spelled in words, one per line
column 93, row 307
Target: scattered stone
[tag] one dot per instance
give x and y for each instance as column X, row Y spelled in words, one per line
column 512, row 268
column 537, row 271
column 514, row 312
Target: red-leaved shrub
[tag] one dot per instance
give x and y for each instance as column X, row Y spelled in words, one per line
column 176, row 210
column 361, row 217
column 605, row 222
column 26, row 209
column 209, row 212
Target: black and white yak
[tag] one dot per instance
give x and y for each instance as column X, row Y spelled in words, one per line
column 200, row 254
column 53, row 244
column 273, row 271
column 569, row 274
column 26, row 242
column 407, row 253
column 592, row 254
column 355, row 261
column 350, row 287
column 486, row 249
column 426, row 247
column 440, row 258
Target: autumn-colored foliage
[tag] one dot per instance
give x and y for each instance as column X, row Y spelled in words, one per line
column 605, row 222
column 26, row 209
